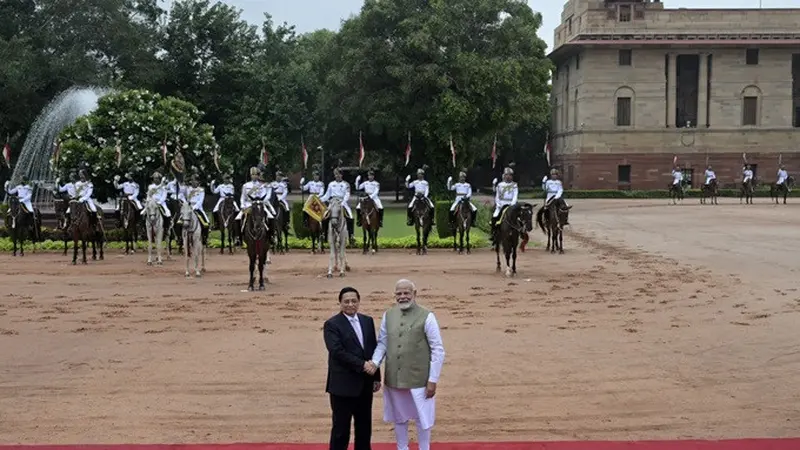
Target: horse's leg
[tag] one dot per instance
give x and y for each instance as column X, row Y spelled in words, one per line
column 419, row 241
column 186, row 250
column 83, row 249
column 332, row 256
column 514, row 260
column 497, row 253
column 365, row 240
column 261, row 265
column 469, row 245
column 222, row 240
column 785, row 194
column 159, row 238
column 251, row 253
column 65, row 243
column 74, row 249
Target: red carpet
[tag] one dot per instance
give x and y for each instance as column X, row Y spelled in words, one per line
column 745, row 444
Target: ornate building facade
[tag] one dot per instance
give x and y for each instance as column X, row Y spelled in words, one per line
column 636, row 84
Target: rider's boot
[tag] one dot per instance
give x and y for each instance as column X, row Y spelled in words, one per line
column 380, row 218
column 409, row 220
column 351, row 230
column 452, row 219
column 358, row 217
column 118, row 217
column 474, row 215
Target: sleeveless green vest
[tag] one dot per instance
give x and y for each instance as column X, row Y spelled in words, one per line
column 408, row 355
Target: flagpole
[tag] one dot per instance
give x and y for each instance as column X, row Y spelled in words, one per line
column 302, row 155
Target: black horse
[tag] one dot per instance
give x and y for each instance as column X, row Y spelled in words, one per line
column 224, row 219
column 258, row 237
column 516, row 223
column 551, row 219
column 85, row 228
column 746, row 191
column 463, row 219
column 776, row 189
column 281, row 222
column 21, row 224
column 676, row 191
column 422, row 215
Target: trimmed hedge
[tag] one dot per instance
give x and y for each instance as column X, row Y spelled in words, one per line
column 657, row 193
column 385, row 243
column 300, row 230
column 483, row 221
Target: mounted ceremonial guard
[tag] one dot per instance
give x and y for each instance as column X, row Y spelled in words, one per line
column 281, row 190
column 506, row 194
column 68, row 190
column 421, row 190
column 316, row 190
column 84, row 189
column 372, row 190
column 130, row 189
column 225, row 190
column 254, row 189
column 24, row 193
column 338, row 188
column 195, row 195
column 463, row 192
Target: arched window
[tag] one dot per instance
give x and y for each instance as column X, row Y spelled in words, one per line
column 751, row 106
column 624, row 106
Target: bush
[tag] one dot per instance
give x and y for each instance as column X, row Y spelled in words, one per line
column 214, row 243
column 300, row 230
column 657, row 193
column 441, row 219
column 483, row 221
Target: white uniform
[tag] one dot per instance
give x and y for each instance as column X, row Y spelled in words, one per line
column 84, row 191
column 420, row 187
column 462, row 190
column 195, row 196
column 506, row 193
column 402, row 405
column 677, row 177
column 372, row 189
column 314, row 187
column 748, row 175
column 131, row 191
column 782, row 176
column 554, row 190
column 224, row 190
column 282, row 191
column 69, row 188
column 339, row 189
column 170, row 189
column 257, row 190
column 25, row 193
column 710, row 175
column 158, row 192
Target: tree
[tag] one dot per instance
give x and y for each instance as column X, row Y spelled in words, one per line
column 140, row 122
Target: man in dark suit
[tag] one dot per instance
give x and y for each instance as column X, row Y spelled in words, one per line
column 350, row 339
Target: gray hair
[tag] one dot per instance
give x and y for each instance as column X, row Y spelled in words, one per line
column 404, row 281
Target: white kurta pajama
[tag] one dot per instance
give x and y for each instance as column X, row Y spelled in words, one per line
column 402, row 405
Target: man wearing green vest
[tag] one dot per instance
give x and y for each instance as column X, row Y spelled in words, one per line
column 410, row 341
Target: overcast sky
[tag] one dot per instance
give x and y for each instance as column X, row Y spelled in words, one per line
column 310, row 15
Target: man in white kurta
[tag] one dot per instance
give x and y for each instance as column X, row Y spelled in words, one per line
column 411, row 343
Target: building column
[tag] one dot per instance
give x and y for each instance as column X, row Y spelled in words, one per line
column 671, row 87
column 702, row 91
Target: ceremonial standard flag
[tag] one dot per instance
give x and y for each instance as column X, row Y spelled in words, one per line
column 216, row 157
column 315, row 208
column 7, row 153
column 675, row 160
column 547, row 149
column 453, row 150
column 264, row 154
column 56, row 152
column 164, row 151
column 119, row 153
column 494, row 151
column 744, row 157
column 360, row 149
column 305, row 153
column 780, row 158
column 408, row 149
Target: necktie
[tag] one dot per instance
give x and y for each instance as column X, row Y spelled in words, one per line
column 357, row 328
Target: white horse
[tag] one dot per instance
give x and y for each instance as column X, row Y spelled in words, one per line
column 154, row 222
column 193, row 240
column 337, row 238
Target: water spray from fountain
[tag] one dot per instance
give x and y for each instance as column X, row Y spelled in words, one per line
column 34, row 160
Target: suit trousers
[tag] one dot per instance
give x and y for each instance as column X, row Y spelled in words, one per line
column 359, row 410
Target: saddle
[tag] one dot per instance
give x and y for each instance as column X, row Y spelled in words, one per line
column 503, row 210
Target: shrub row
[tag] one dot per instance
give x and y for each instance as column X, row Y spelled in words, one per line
column 385, row 243
column 442, row 218
column 658, row 193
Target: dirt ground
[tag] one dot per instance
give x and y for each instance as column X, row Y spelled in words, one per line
column 659, row 322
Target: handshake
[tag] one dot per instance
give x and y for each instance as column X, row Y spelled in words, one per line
column 370, row 368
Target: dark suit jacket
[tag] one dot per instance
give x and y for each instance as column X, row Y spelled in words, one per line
column 346, row 357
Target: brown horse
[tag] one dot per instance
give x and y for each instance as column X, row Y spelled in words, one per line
column 61, row 203
column 224, row 219
column 551, row 219
column 83, row 229
column 370, row 223
column 517, row 222
column 676, row 191
column 281, row 222
column 21, row 223
column 776, row 189
column 129, row 221
column 422, row 214
column 746, row 191
column 258, row 236
column 317, row 232
column 710, row 191
column 172, row 226
column 463, row 224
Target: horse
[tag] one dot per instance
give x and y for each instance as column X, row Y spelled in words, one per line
column 60, row 205
column 517, row 221
column 421, row 213
column 775, row 189
column 746, row 191
column 463, row 224
column 316, row 230
column 258, row 237
column 338, row 236
column 710, row 190
column 128, row 216
column 281, row 221
column 173, row 228
column 225, row 222
column 20, row 223
column 551, row 220
column 193, row 246
column 370, row 223
column 676, row 191
column 154, row 225
column 82, row 229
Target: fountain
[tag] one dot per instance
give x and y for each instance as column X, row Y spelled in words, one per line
column 34, row 160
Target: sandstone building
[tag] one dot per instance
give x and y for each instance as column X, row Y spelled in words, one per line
column 636, row 84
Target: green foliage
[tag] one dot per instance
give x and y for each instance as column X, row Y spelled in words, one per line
column 657, row 193
column 300, row 230
column 441, row 215
column 139, row 121
column 483, row 221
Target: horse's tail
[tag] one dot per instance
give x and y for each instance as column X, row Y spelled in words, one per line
column 540, row 219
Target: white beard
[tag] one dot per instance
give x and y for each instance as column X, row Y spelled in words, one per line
column 406, row 305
